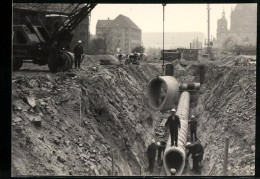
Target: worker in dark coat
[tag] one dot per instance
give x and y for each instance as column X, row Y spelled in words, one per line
column 120, row 56
column 161, row 147
column 197, row 152
column 193, row 128
column 78, row 53
column 174, row 124
column 151, row 154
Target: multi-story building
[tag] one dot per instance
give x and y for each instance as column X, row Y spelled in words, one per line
column 243, row 30
column 121, row 33
column 81, row 32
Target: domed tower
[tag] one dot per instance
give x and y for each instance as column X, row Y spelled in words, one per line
column 222, row 25
column 222, row 31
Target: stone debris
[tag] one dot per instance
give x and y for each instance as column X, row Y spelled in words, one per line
column 30, row 101
column 61, row 159
column 17, row 119
column 115, row 115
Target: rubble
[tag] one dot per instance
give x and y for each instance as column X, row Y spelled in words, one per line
column 55, row 99
column 115, row 115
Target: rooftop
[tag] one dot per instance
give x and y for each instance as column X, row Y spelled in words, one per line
column 120, row 20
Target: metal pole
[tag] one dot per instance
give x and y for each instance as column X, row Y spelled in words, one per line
column 226, row 157
column 80, row 112
column 113, row 172
column 208, row 50
column 164, row 4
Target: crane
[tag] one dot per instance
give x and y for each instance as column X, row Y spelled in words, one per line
column 35, row 42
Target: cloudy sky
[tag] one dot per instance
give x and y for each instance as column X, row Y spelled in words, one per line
column 178, row 17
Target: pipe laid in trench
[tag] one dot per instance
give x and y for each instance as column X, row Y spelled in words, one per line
column 174, row 157
column 163, row 99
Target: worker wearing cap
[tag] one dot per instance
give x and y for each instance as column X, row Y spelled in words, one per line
column 78, row 53
column 161, row 149
column 174, row 124
column 173, row 171
column 151, row 153
column 197, row 151
column 193, row 128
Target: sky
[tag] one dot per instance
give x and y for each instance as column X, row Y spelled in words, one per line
column 178, row 17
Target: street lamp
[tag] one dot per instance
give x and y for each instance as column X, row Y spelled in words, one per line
column 163, row 4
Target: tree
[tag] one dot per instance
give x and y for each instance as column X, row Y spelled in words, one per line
column 97, row 46
column 138, row 49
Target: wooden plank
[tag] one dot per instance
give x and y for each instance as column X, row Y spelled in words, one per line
column 162, row 124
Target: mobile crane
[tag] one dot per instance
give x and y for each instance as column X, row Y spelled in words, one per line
column 42, row 44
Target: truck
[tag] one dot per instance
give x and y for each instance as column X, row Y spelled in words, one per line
column 42, row 37
column 170, row 55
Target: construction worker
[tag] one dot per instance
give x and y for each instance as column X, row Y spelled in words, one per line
column 174, row 124
column 120, row 56
column 78, row 53
column 173, row 171
column 193, row 128
column 197, row 152
column 151, row 153
column 161, row 149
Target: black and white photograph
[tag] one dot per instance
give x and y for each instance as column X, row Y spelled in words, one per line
column 124, row 89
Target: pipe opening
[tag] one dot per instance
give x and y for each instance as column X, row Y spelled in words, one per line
column 157, row 92
column 174, row 159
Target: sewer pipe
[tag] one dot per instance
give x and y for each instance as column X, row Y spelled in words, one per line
column 174, row 157
column 163, row 92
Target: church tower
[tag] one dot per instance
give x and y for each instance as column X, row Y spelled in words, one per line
column 222, row 25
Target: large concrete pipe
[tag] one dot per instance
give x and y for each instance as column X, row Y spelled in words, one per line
column 163, row 99
column 174, row 157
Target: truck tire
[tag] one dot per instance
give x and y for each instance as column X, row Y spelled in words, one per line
column 57, row 63
column 70, row 57
column 17, row 64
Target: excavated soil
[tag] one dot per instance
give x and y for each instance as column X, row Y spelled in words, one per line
column 71, row 123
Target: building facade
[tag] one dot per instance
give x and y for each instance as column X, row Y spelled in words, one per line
column 81, row 32
column 243, row 27
column 120, row 34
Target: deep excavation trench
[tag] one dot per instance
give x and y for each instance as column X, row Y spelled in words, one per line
column 50, row 138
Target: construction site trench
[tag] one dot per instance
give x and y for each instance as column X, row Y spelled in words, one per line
column 81, row 122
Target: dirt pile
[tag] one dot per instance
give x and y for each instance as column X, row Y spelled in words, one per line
column 225, row 106
column 69, row 123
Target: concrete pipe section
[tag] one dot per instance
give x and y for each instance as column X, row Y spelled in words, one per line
column 163, row 92
column 189, row 86
column 174, row 157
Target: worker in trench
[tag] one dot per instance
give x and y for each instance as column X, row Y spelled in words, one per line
column 78, row 54
column 120, row 56
column 197, row 151
column 151, row 154
column 160, row 147
column 193, row 128
column 174, row 124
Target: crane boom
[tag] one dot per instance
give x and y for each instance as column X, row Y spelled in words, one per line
column 75, row 17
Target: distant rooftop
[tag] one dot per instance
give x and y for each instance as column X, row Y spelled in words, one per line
column 120, row 20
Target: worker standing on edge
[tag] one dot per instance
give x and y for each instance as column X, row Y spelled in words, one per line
column 151, row 153
column 78, row 53
column 174, row 124
column 120, row 56
column 193, row 128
